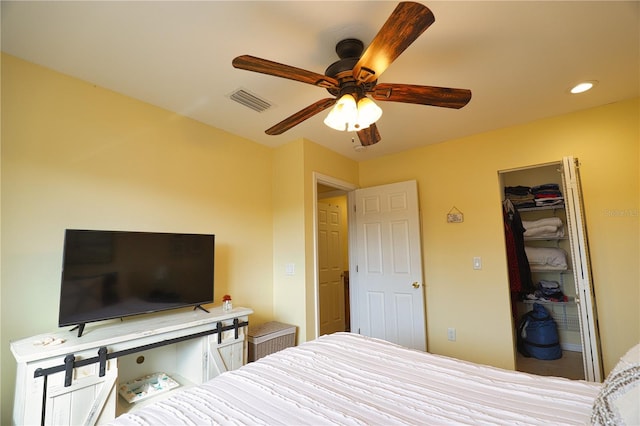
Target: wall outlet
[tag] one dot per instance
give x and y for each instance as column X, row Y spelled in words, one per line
column 451, row 334
column 290, row 269
column 477, row 262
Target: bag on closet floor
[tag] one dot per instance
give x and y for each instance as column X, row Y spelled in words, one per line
column 538, row 335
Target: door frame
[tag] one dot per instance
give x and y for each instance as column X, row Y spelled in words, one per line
column 340, row 185
column 580, row 257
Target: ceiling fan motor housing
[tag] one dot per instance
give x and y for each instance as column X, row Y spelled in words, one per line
column 349, row 51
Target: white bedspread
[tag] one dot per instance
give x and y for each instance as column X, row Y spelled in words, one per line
column 350, row 379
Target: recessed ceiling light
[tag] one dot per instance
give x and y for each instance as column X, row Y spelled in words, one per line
column 583, row 87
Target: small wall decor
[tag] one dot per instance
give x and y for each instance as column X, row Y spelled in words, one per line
column 455, row 215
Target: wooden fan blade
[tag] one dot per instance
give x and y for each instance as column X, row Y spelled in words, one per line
column 264, row 66
column 424, row 95
column 369, row 136
column 300, row 116
column 402, row 28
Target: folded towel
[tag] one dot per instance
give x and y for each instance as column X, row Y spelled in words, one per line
column 544, row 232
column 546, row 257
column 547, row 221
column 549, row 227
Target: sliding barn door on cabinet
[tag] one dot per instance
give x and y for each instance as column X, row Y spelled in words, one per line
column 553, row 267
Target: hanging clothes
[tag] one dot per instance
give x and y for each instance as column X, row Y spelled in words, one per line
column 520, row 281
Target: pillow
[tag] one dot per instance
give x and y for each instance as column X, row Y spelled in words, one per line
column 546, row 256
column 618, row 400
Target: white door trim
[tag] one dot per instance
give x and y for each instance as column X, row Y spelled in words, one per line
column 339, row 185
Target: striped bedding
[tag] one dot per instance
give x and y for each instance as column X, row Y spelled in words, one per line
column 350, row 379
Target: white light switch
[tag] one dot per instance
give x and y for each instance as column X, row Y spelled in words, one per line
column 477, row 262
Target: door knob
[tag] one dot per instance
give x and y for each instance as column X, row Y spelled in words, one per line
column 416, row 285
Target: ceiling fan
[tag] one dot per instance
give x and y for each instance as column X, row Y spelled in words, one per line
column 356, row 76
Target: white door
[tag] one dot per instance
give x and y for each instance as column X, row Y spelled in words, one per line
column 330, row 269
column 386, row 279
column 585, row 297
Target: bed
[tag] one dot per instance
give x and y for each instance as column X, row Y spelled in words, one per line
column 350, row 379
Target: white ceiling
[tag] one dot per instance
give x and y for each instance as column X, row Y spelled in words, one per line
column 518, row 58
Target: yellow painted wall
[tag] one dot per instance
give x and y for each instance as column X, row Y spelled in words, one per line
column 78, row 156
column 289, row 291
column 464, row 173
column 75, row 155
column 294, row 166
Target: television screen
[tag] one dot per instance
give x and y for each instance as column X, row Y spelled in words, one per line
column 113, row 274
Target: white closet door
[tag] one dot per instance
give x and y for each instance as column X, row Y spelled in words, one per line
column 585, row 297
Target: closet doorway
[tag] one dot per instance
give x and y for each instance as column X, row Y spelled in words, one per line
column 333, row 312
column 549, row 268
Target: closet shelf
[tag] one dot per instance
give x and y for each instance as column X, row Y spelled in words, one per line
column 536, row 209
column 569, row 302
column 553, row 271
column 545, row 238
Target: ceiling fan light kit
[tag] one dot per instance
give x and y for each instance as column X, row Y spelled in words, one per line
column 347, row 115
column 355, row 76
column 344, row 114
column 368, row 112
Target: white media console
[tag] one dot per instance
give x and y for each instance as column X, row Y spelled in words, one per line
column 75, row 380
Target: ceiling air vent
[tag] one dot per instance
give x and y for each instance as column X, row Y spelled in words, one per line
column 250, row 100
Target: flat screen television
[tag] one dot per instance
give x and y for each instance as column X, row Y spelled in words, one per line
column 115, row 274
